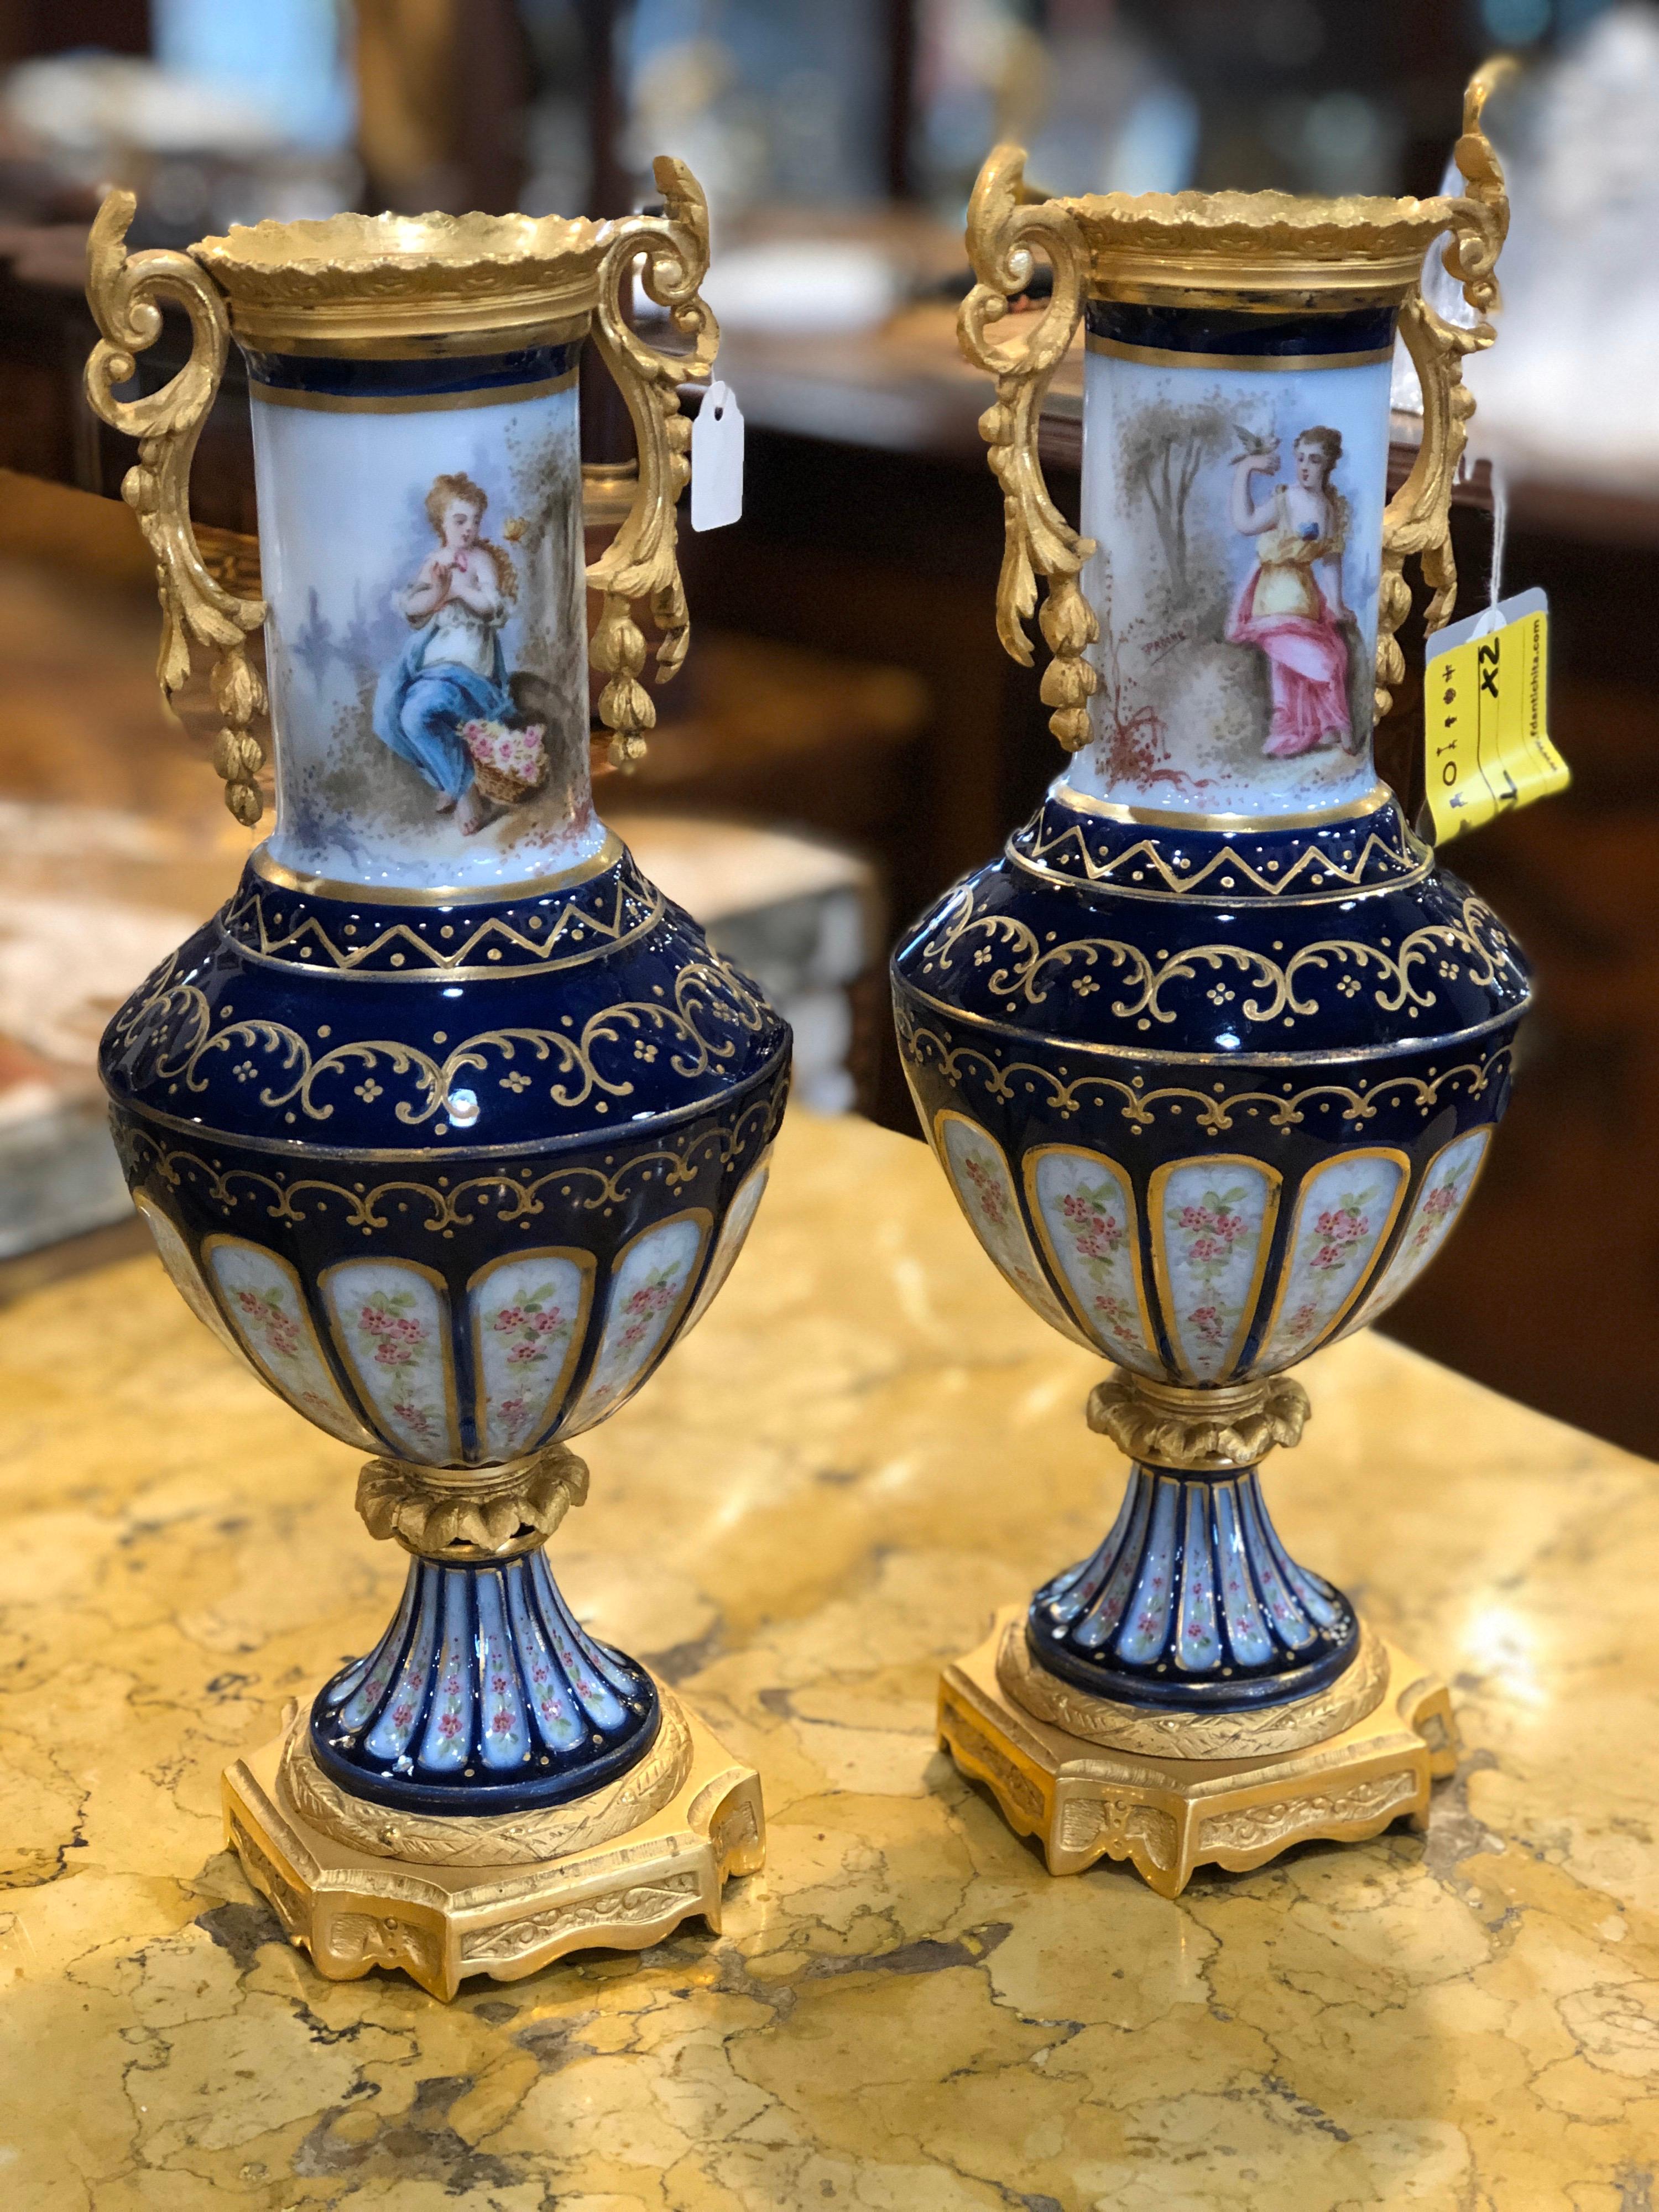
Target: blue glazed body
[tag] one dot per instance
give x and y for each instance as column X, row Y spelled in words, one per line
column 315, row 1085
column 1179, row 1022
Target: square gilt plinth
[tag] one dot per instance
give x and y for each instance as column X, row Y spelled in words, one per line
column 1084, row 1800
column 352, row 1910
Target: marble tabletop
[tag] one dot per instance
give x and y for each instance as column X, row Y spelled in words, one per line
column 868, row 1445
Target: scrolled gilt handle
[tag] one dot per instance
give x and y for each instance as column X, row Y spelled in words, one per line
column 1006, row 220
column 124, row 291
column 1418, row 518
column 641, row 561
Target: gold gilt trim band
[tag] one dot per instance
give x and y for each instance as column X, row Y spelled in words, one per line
column 264, row 863
column 1168, row 357
column 408, row 403
column 1241, row 825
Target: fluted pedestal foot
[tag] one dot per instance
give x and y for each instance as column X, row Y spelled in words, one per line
column 359, row 1884
column 1091, row 1778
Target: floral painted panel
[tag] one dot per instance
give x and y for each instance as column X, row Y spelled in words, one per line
column 529, row 1317
column 1087, row 1211
column 646, row 1295
column 260, row 1296
column 1452, row 1175
column 1212, row 1221
column 984, row 1190
column 392, row 1322
column 186, row 1276
column 734, row 1230
column 1343, row 1217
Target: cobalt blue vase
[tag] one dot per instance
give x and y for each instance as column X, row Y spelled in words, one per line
column 450, row 1124
column 1212, row 1052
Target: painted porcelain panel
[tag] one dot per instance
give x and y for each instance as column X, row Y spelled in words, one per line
column 1247, row 1632
column 1087, row 1213
column 1198, row 1640
column 390, row 1321
column 985, row 1191
column 529, row 1316
column 558, row 1716
column 1148, row 1621
column 1236, row 667
column 1212, row 1221
column 1441, row 1198
column 645, row 1296
column 734, row 1230
column 1120, row 1551
column 422, row 570
column 389, row 1737
column 1344, row 1213
column 449, row 1724
column 358, row 1692
column 505, row 1735
column 175, row 1257
column 260, row 1296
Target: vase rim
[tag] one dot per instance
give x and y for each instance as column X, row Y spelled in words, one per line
column 321, row 283
column 1262, row 250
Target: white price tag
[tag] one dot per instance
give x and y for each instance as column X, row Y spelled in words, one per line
column 717, row 460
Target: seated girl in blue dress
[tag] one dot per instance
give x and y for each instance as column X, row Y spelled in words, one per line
column 453, row 670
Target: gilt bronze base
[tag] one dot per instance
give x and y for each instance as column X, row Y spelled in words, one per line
column 361, row 1885
column 1090, row 1778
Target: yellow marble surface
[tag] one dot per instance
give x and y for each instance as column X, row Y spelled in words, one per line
column 867, row 1446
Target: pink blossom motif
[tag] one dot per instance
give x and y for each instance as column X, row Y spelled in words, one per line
column 1204, row 1239
column 654, row 1295
column 1094, row 1223
column 1117, row 1313
column 403, row 1715
column 420, row 1422
column 1209, row 1326
column 501, row 1724
column 1438, row 1209
column 388, row 1354
column 643, row 1313
column 1096, row 1226
column 449, row 1726
column 540, row 1330
column 275, row 1330
column 989, row 1195
column 1339, row 1229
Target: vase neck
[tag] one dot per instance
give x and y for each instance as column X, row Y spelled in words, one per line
column 420, row 523
column 1234, row 476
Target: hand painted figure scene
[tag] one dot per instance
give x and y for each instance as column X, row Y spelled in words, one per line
column 1291, row 606
column 1239, row 537
column 448, row 704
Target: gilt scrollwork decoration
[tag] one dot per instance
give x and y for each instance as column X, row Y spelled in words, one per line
column 641, row 561
column 1418, row 518
column 1016, row 964
column 1006, row 222
column 712, row 1009
column 125, row 291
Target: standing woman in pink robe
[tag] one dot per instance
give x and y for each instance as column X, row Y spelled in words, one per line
column 1291, row 605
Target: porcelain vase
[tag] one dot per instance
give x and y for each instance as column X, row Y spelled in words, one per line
column 1213, row 1052
column 450, row 1124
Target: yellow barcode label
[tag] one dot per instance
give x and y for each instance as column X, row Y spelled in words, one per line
column 1485, row 716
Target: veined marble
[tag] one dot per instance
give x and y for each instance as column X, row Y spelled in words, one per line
column 827, row 1489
